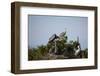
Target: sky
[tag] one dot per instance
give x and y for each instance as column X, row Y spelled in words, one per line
column 41, row 28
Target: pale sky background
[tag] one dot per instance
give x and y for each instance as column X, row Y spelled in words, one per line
column 41, row 28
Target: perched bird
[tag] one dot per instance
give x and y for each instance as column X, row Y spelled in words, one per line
column 62, row 34
column 78, row 47
column 53, row 37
